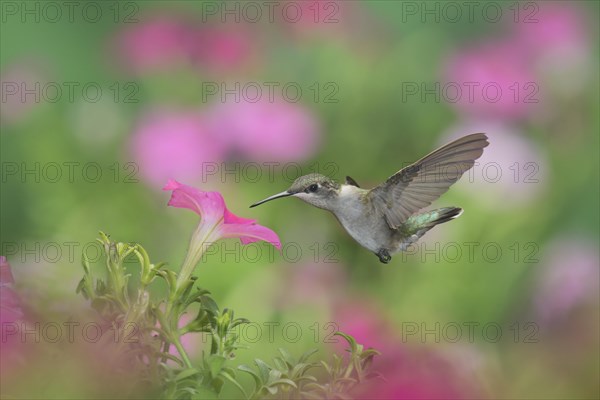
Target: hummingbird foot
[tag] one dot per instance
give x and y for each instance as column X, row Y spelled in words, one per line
column 384, row 256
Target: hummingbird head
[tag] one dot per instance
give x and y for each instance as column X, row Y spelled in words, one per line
column 315, row 189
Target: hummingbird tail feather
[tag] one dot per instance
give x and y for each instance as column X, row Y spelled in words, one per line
column 445, row 214
column 420, row 223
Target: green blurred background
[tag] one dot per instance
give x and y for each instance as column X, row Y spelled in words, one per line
column 523, row 257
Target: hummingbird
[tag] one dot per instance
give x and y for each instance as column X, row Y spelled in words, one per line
column 386, row 218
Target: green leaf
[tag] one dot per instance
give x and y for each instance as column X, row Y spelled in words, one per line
column 209, row 304
column 100, row 287
column 104, row 238
column 186, row 288
column 188, row 390
column 229, row 374
column 258, row 382
column 300, row 369
column 198, row 324
column 326, row 366
column 86, row 263
column 347, row 380
column 287, row 358
column 80, row 288
column 160, row 265
column 263, row 369
column 170, row 277
column 284, row 382
column 369, row 353
column 316, row 386
column 186, row 373
column 274, row 375
column 203, row 393
column 304, row 357
column 239, row 321
column 215, row 363
column 280, row 364
column 306, row 378
column 197, row 296
column 169, row 391
column 351, row 341
column 271, row 389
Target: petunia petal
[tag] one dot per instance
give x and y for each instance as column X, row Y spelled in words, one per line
column 216, row 222
column 231, row 218
column 209, row 205
column 171, row 185
column 250, row 233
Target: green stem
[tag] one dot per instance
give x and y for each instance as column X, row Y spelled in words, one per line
column 170, row 323
column 181, row 351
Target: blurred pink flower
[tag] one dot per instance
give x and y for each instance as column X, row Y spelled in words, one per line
column 408, row 373
column 155, row 44
column 176, row 144
column 317, row 284
column 265, row 130
column 558, row 46
column 218, row 48
column 415, row 374
column 21, row 86
column 556, row 25
column 365, row 324
column 216, row 223
column 569, row 277
column 512, row 170
column 494, row 80
column 349, row 24
column 10, row 309
column 11, row 320
column 165, row 41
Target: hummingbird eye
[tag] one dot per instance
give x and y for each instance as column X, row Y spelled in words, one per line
column 313, row 188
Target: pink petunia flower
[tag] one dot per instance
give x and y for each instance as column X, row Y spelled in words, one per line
column 492, row 80
column 155, row 44
column 558, row 46
column 216, row 223
column 177, row 144
column 162, row 42
column 417, row 374
column 568, row 280
column 409, row 373
column 219, row 49
column 266, row 130
column 555, row 26
column 365, row 323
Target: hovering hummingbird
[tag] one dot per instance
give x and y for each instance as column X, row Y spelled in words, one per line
column 385, row 219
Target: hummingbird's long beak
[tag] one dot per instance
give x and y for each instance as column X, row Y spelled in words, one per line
column 275, row 196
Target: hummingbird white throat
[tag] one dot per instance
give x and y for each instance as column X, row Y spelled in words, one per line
column 385, row 219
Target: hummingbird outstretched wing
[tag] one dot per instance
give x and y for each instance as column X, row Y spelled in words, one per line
column 418, row 185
